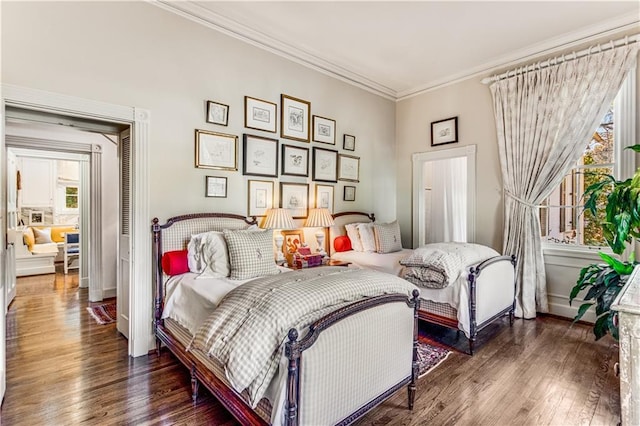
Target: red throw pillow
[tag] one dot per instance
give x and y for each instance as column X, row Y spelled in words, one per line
column 175, row 262
column 342, row 243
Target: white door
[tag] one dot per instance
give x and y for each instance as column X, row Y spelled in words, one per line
column 12, row 222
column 124, row 240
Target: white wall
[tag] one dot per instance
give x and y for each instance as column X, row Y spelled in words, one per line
column 136, row 54
column 470, row 101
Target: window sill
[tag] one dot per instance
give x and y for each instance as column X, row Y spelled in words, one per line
column 574, row 252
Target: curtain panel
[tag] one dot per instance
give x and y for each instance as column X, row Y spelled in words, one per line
column 544, row 119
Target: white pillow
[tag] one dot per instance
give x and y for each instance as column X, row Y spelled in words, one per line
column 196, row 259
column 354, row 236
column 214, row 255
column 387, row 237
column 194, row 254
column 367, row 237
column 42, row 236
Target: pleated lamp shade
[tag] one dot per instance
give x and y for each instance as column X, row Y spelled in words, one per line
column 278, row 219
column 319, row 218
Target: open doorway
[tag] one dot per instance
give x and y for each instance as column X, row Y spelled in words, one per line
column 68, row 180
column 444, row 195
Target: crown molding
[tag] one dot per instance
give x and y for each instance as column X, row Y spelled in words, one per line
column 203, row 16
column 229, row 27
column 551, row 46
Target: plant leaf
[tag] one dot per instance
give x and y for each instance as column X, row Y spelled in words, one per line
column 582, row 310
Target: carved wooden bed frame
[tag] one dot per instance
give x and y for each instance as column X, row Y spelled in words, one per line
column 294, row 348
column 474, row 274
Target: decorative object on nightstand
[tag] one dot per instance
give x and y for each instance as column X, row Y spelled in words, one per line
column 320, row 218
column 278, row 219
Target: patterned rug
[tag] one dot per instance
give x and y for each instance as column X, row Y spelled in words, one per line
column 429, row 357
column 103, row 314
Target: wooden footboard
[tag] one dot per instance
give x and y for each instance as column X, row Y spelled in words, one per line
column 294, row 349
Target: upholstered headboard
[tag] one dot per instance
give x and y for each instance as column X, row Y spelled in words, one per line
column 175, row 235
column 343, row 218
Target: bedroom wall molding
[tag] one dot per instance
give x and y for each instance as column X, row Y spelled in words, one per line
column 418, row 217
column 234, row 29
column 140, row 294
column 210, row 19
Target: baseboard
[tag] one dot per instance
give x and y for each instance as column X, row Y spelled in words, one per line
column 559, row 306
column 108, row 293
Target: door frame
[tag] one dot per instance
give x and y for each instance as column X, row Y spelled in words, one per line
column 418, row 159
column 141, row 339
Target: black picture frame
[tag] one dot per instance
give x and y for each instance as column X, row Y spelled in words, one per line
column 260, row 156
column 444, row 131
column 349, row 193
column 325, row 165
column 295, row 161
column 215, row 187
column 217, row 113
column 349, row 142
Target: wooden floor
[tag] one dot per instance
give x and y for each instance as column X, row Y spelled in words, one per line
column 64, row 368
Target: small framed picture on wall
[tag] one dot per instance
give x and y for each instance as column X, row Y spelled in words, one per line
column 260, row 197
column 217, row 113
column 216, row 187
column 349, row 193
column 349, row 143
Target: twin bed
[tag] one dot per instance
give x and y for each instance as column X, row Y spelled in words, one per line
column 315, row 346
column 329, row 365
column 483, row 293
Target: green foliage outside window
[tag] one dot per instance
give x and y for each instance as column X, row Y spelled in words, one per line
column 71, row 197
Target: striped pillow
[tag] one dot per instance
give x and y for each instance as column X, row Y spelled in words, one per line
column 250, row 253
column 387, row 237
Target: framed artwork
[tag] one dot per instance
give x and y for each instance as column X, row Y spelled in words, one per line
column 293, row 240
column 349, row 168
column 216, row 150
column 295, row 161
column 295, row 119
column 259, row 114
column 295, row 197
column 36, row 217
column 349, row 193
column 444, row 131
column 260, row 197
column 260, row 156
column 325, row 165
column 324, row 130
column 217, row 113
column 324, row 197
column 216, row 186
column 349, row 143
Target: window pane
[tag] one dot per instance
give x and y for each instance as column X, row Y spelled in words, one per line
column 601, row 148
column 71, row 197
column 559, row 225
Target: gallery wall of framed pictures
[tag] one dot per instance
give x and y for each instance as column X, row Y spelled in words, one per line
column 297, row 171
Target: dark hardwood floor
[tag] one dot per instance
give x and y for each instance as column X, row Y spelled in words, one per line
column 64, row 368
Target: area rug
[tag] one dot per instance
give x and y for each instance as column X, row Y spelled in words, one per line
column 103, row 314
column 429, row 357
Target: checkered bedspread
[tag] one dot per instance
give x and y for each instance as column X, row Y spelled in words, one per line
column 247, row 331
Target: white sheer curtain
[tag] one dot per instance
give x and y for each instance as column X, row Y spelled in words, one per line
column 448, row 201
column 544, row 119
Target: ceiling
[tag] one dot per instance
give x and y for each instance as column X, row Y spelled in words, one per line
column 399, row 49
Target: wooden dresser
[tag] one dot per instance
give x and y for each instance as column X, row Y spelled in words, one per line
column 627, row 304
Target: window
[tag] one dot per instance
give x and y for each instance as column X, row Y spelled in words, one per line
column 563, row 219
column 71, row 197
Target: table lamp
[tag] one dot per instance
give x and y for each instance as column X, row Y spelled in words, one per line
column 320, row 218
column 278, row 219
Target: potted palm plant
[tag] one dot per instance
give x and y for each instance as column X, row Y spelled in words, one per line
column 617, row 205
